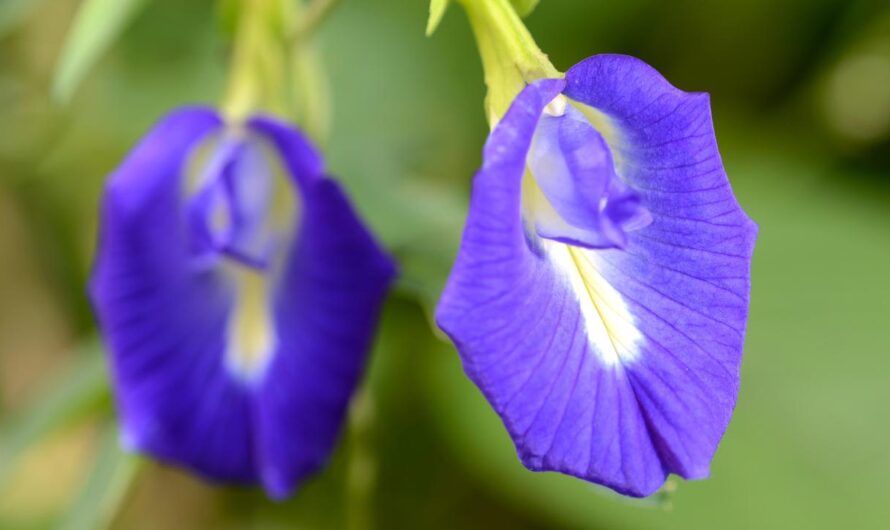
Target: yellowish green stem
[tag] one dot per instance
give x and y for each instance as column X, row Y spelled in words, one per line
column 314, row 14
column 510, row 57
column 258, row 61
column 274, row 68
column 362, row 471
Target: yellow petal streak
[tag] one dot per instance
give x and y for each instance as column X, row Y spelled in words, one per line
column 608, row 322
column 251, row 330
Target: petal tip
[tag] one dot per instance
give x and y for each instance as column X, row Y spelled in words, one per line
column 129, row 441
column 637, row 487
column 276, row 484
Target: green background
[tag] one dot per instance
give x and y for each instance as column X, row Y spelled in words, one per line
column 801, row 97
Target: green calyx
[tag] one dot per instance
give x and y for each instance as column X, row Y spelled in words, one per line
column 258, row 60
column 510, row 57
column 274, row 68
column 437, row 11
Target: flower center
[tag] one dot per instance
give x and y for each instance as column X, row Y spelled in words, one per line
column 228, row 210
column 572, row 193
column 238, row 220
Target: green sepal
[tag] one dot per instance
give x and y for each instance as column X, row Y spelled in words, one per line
column 437, row 11
column 510, row 56
column 524, row 8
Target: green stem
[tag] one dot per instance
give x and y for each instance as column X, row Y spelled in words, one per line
column 312, row 17
column 510, row 56
column 362, row 468
column 274, row 68
column 311, row 103
column 258, row 61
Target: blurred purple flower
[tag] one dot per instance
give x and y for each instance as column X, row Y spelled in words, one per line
column 600, row 294
column 238, row 293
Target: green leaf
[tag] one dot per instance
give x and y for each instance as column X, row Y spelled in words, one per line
column 67, row 397
column 524, row 7
column 227, row 12
column 437, row 11
column 96, row 26
column 15, row 12
column 110, row 478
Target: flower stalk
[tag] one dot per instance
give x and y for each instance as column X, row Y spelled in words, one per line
column 257, row 61
column 312, row 18
column 510, row 57
column 274, row 67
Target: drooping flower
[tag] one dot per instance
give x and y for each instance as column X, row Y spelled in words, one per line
column 600, row 294
column 238, row 293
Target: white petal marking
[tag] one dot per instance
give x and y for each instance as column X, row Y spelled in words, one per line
column 608, row 323
column 251, row 330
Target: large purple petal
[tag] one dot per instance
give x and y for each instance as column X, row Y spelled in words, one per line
column 326, row 307
column 685, row 277
column 233, row 365
column 164, row 319
column 303, row 161
column 528, row 332
column 614, row 365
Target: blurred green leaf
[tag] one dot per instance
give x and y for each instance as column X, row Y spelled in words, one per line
column 111, row 476
column 96, row 26
column 66, row 397
column 15, row 12
column 524, row 7
column 227, row 12
column 437, row 11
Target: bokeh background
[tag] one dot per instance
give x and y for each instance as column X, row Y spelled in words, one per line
column 801, row 96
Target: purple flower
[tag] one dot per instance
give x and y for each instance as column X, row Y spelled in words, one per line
column 238, row 292
column 600, row 294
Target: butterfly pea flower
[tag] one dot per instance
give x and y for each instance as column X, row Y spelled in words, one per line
column 238, row 292
column 600, row 293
